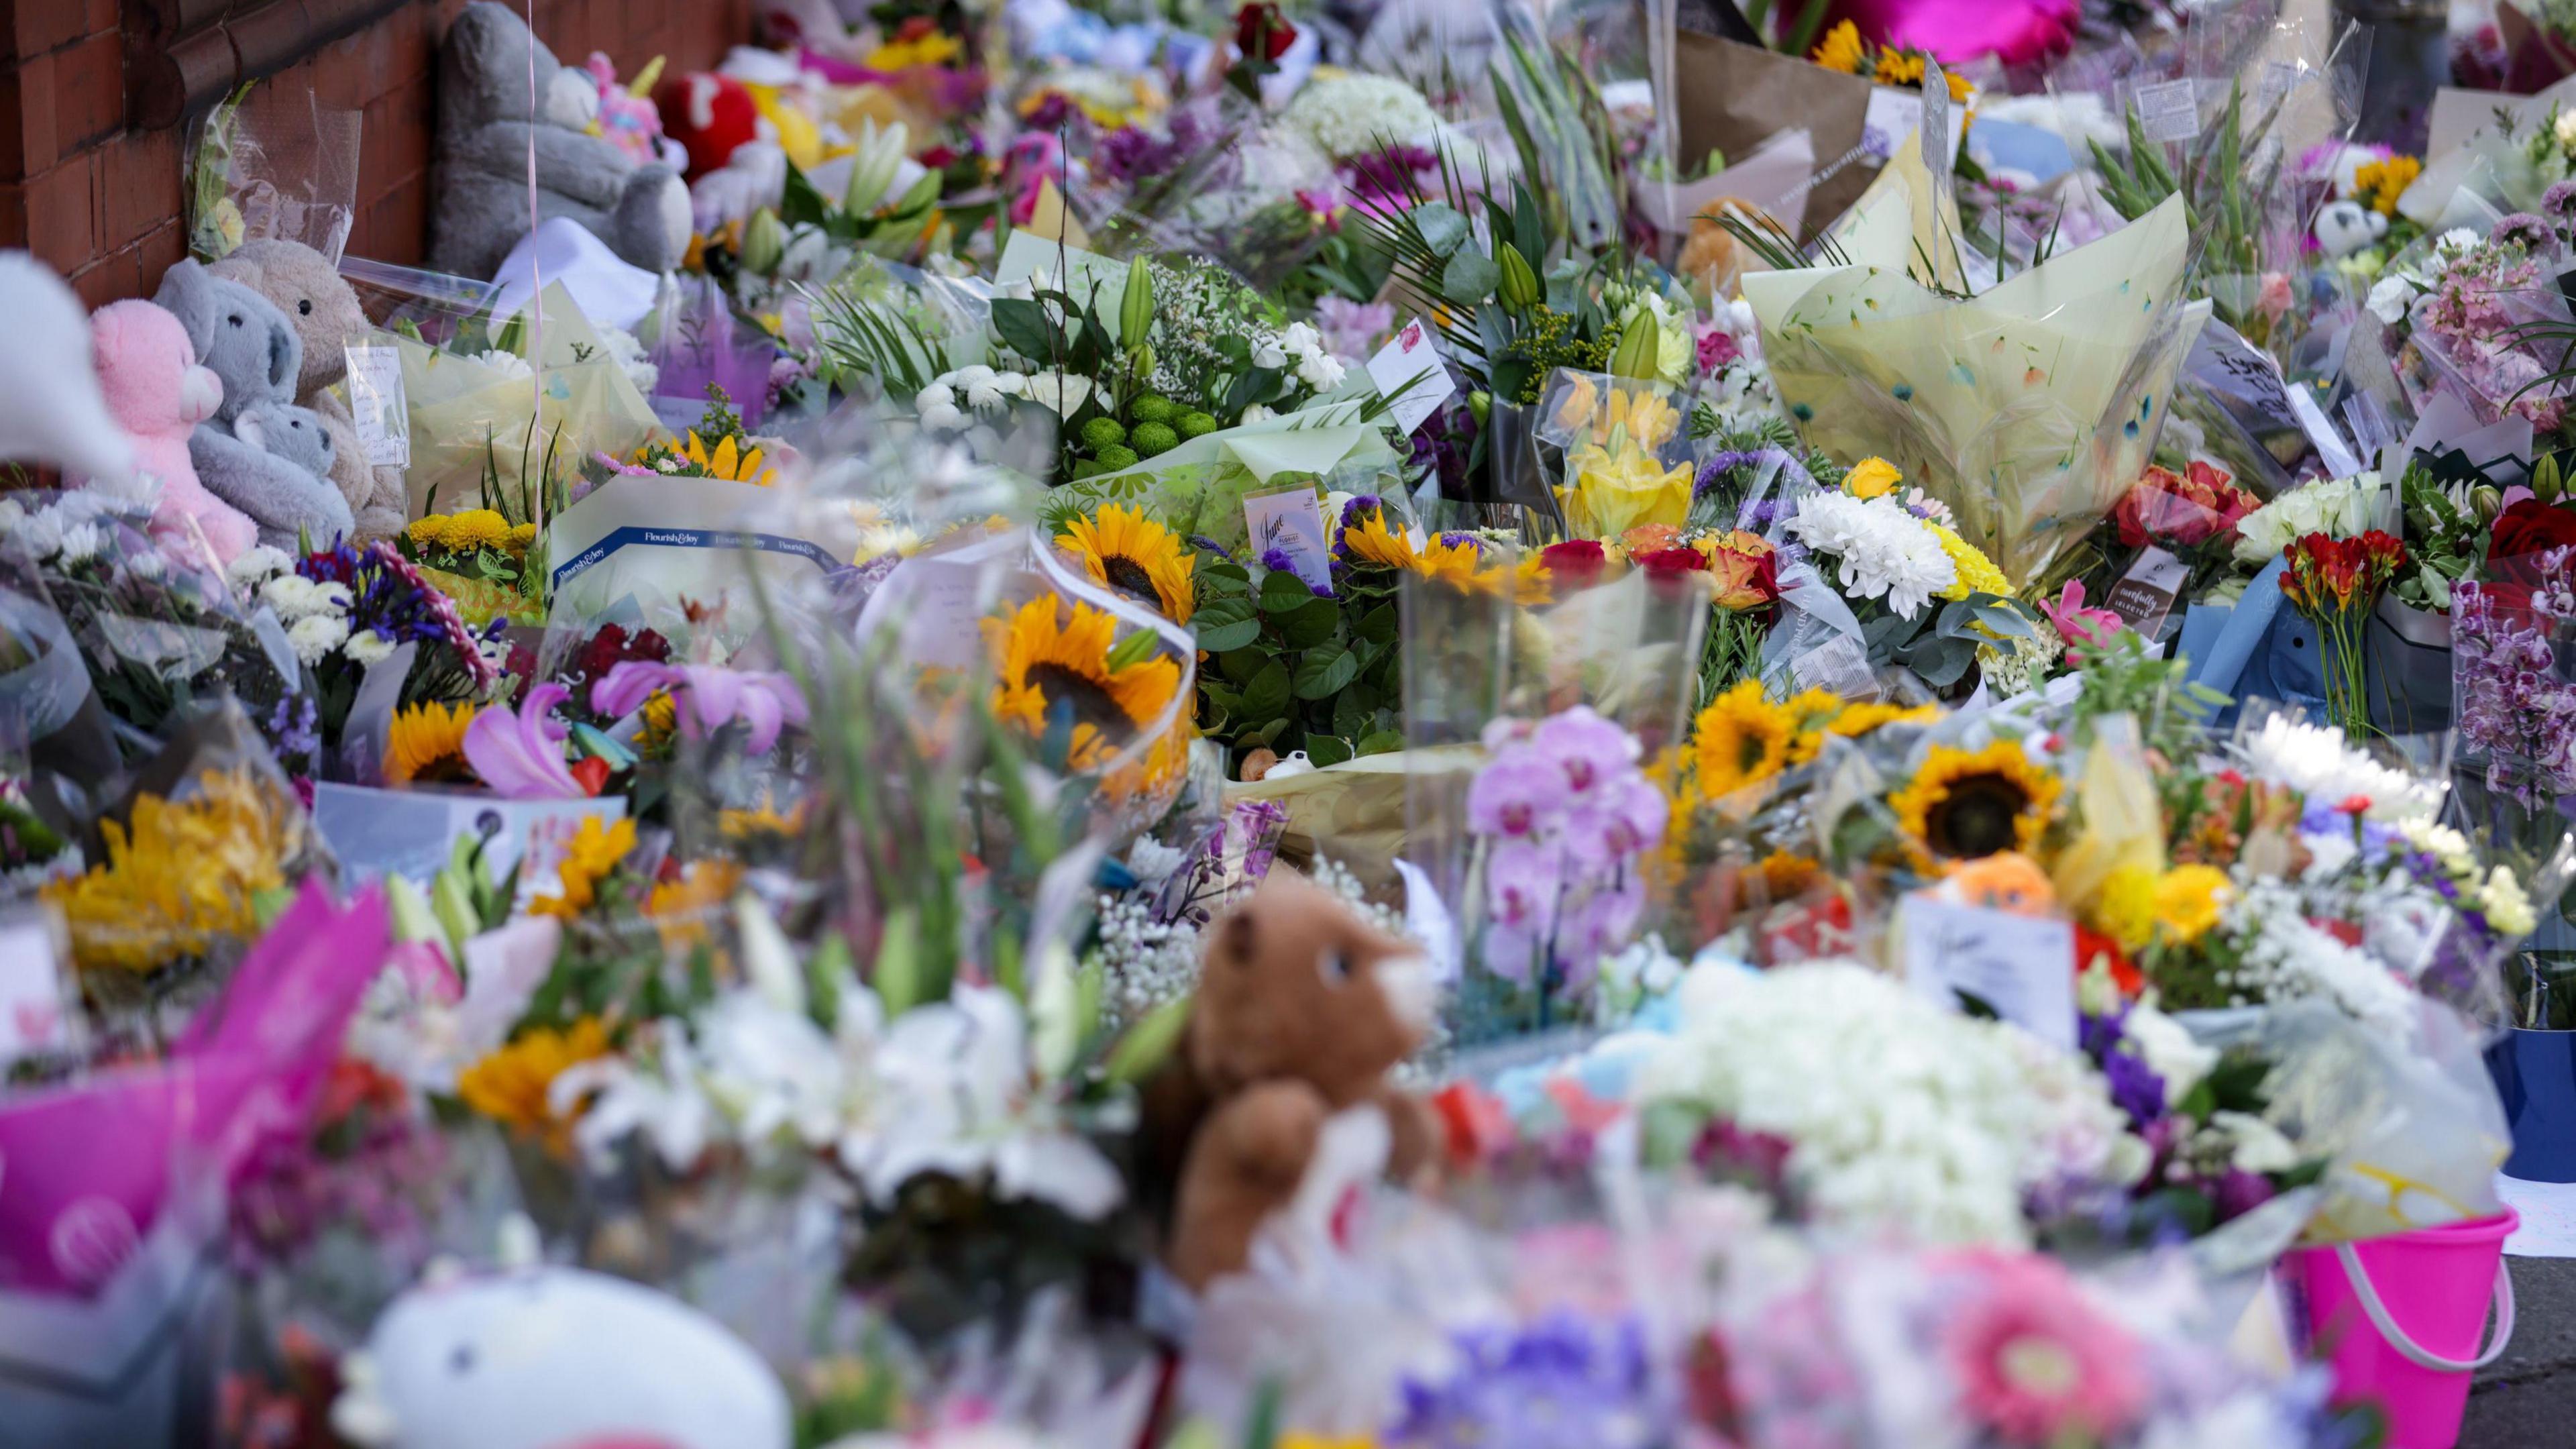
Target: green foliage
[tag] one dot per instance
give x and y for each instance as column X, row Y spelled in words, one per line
column 1290, row 669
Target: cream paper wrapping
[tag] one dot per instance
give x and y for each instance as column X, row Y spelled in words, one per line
column 2029, row 409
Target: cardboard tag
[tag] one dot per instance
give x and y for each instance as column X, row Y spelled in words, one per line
column 2331, row 448
column 377, row 403
column 2146, row 593
column 39, row 1006
column 2168, row 112
column 1408, row 369
column 1291, row 521
column 2021, row 966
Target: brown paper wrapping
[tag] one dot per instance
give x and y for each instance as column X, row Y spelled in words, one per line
column 1734, row 97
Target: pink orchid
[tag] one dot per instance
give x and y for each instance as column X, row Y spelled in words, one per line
column 2077, row 624
column 710, row 697
column 519, row 753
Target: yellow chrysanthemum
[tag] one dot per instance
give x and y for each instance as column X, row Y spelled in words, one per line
column 427, row 744
column 1977, row 573
column 2379, row 184
column 2125, row 910
column 1137, row 556
column 522, row 538
column 1741, row 738
column 1871, row 477
column 1967, row 804
column 1841, row 50
column 929, row 48
column 181, row 875
column 593, row 852
column 511, row 1084
column 427, row 531
column 476, row 528
column 2187, row 901
column 1045, row 663
column 1899, row 68
column 727, row 461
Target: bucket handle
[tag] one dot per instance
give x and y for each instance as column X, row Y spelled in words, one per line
column 2415, row 1353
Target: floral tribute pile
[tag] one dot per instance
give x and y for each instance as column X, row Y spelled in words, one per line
column 1293, row 728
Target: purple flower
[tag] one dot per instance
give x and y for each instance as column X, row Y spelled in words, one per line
column 519, row 754
column 1350, row 329
column 1590, row 750
column 1516, row 796
column 2522, row 229
column 2560, row 200
column 1563, row 1382
column 1625, row 820
column 709, row 698
column 2239, row 1192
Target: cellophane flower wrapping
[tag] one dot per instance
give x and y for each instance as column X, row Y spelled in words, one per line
column 2027, row 409
column 1627, row 454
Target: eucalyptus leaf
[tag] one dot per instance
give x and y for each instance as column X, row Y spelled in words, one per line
column 1470, row 276
column 1440, row 225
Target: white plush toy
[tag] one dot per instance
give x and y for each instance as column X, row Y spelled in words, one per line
column 2345, row 227
column 554, row 1358
column 51, row 409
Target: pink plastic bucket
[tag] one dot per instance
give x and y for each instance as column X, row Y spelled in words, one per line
column 2401, row 1319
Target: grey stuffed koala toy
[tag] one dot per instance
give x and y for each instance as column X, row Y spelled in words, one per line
column 325, row 314
column 248, row 343
column 283, row 430
column 484, row 131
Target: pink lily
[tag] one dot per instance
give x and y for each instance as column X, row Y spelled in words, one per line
column 710, row 698
column 519, row 754
column 2078, row 624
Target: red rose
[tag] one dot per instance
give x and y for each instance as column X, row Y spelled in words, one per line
column 1260, row 31
column 1679, row 559
column 2530, row 526
column 1576, row 563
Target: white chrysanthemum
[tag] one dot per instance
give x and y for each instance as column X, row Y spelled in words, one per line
column 1900, row 1114
column 257, row 565
column 1355, row 115
column 1884, row 552
column 315, row 636
column 82, row 541
column 367, row 647
column 2315, row 761
column 508, row 364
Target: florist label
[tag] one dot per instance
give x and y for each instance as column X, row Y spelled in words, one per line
column 378, row 405
column 39, row 1010
column 2168, row 112
column 1408, row 369
column 1291, row 522
column 2022, row 967
column 2146, row 593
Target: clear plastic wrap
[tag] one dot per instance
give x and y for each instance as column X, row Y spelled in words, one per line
column 273, row 165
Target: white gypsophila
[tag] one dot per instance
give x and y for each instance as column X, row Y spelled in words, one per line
column 2339, row 507
column 1884, row 552
column 367, row 647
column 2283, row 958
column 2315, row 761
column 314, row 636
column 256, row 565
column 1144, row 963
column 2083, row 1137
column 1901, row 1115
column 1355, row 114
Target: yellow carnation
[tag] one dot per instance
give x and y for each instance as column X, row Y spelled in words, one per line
column 2126, row 911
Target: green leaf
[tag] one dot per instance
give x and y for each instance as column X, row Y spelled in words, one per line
column 1025, row 328
column 1148, row 1044
column 1441, row 226
column 1283, row 591
column 1233, row 634
column 1311, row 626
column 1268, row 734
column 1133, row 650
column 1322, row 750
column 1378, row 625
column 1325, row 670
column 1470, row 276
column 898, row 968
column 1242, row 664
column 1383, row 742
column 802, row 205
column 1266, row 697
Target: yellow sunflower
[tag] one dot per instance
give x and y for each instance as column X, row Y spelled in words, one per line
column 1136, row 556
column 1899, row 68
column 1371, row 541
column 1968, row 804
column 1742, row 737
column 1458, row 562
column 592, row 853
column 1859, row 719
column 1045, row 663
column 2378, row 184
column 1841, row 50
column 511, row 1084
column 427, row 745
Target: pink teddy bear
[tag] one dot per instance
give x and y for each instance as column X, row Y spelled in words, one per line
column 158, row 394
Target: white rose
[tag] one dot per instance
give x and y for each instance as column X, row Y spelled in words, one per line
column 1269, row 354
column 1300, row 338
column 368, row 647
column 1320, row 371
column 1256, row 413
column 315, row 636
column 2168, row 1050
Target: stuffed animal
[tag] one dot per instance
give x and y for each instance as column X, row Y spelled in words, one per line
column 484, row 131
column 1301, row 1010
column 325, row 314
column 51, row 410
column 158, row 394
column 709, row 115
column 283, row 430
column 627, row 116
column 546, row 1358
column 2345, row 227
column 249, row 344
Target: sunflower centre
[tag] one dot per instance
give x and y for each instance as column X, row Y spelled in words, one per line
column 1981, row 816
column 1092, row 704
column 1129, row 577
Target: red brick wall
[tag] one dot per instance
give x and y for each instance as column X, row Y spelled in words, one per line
column 101, row 201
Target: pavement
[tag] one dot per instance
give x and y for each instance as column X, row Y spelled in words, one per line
column 2527, row 1398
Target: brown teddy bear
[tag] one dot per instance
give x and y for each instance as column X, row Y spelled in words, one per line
column 1301, row 1009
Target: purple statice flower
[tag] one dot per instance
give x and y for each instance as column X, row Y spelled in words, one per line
column 2522, row 229
column 1205, row 544
column 1563, row 1382
column 2136, row 1089
column 294, row 727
